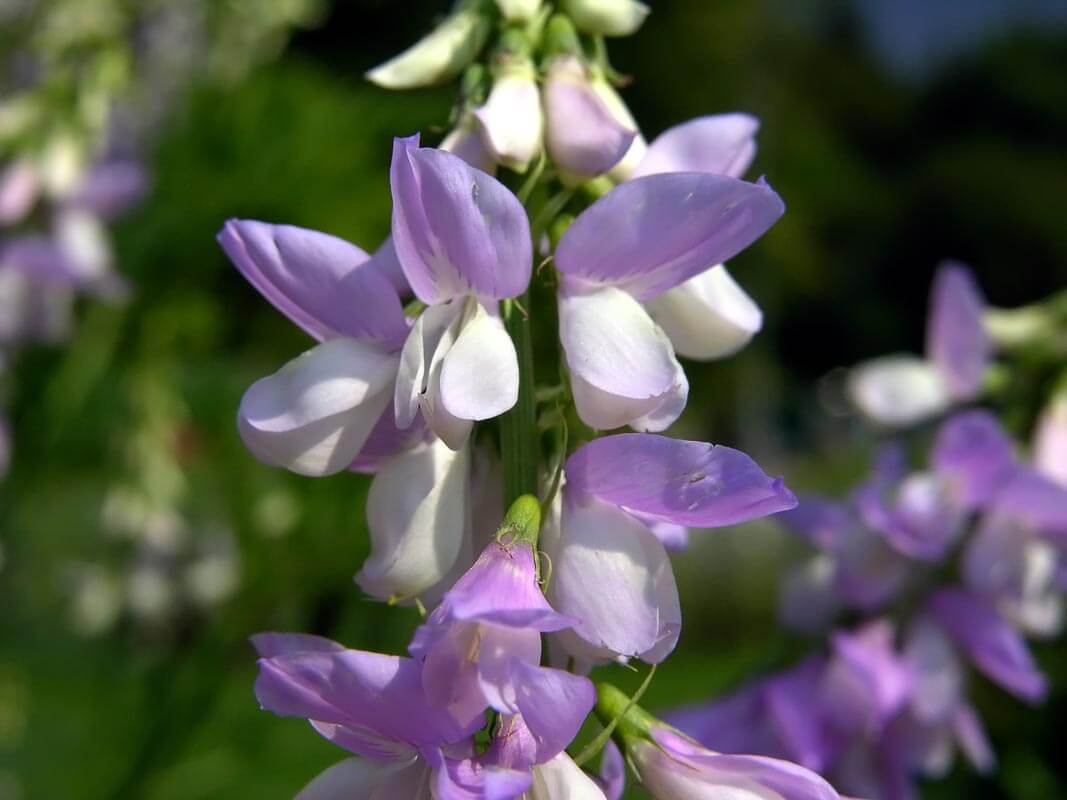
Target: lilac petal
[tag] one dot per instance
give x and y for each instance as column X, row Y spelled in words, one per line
column 502, row 588
column 866, row 682
column 723, row 144
column 39, row 258
column 735, row 723
column 583, row 137
column 972, row 739
column 456, row 230
column 976, row 454
column 386, row 440
column 653, row 233
column 690, row 483
column 377, row 695
column 938, row 674
column 314, row 415
column 269, row 645
column 956, row 340
column 1035, row 500
column 787, row 699
column 674, row 537
column 513, row 747
column 869, row 571
column 995, row 647
column 449, row 671
column 622, row 365
column 467, row 142
column 612, row 575
column 480, row 373
column 110, row 188
column 506, row 784
column 500, row 651
column 922, row 519
column 316, row 280
column 612, row 772
column 386, row 264
column 826, row 524
column 553, row 704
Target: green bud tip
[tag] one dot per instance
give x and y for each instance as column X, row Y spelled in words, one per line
column 522, row 523
column 560, row 37
column 634, row 723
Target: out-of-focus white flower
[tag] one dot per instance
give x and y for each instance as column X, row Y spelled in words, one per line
column 898, row 390
column 519, row 10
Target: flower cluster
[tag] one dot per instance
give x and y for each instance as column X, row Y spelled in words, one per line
column 422, row 376
column 949, row 568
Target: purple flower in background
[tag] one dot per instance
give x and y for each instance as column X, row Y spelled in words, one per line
column 899, row 390
column 610, row 571
column 463, row 241
column 643, row 238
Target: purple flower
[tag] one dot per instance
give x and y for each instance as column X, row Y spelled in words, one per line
column 610, row 571
column 482, row 646
column 642, row 239
column 463, row 241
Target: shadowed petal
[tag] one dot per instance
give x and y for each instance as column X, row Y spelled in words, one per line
column 956, row 340
column 554, row 704
column 653, row 233
column 691, row 483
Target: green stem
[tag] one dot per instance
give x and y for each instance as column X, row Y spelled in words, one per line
column 518, row 428
column 615, row 708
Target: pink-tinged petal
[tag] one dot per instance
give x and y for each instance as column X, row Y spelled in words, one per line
column 956, row 340
column 722, row 144
column 319, row 281
column 690, row 483
column 612, row 575
column 992, row 644
column 553, row 704
column 898, row 390
column 683, row 770
column 269, row 645
column 709, row 316
column 622, row 365
column 502, row 588
column 20, row 186
column 314, row 415
column 583, row 137
column 975, row 453
column 456, row 230
column 1050, row 440
column 110, row 188
column 866, row 681
column 612, row 772
column 972, row 739
column 653, row 233
column 480, row 373
column 376, row 697
column 417, row 513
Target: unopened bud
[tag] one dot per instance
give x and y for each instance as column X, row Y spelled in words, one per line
column 440, row 55
column 607, row 17
column 511, row 120
column 519, row 10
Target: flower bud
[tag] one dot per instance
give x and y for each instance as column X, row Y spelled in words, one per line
column 511, row 120
column 466, row 141
column 519, row 10
column 438, row 56
column 606, row 17
column 583, row 137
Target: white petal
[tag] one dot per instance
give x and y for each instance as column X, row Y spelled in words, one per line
column 480, row 373
column 412, row 375
column 622, row 364
column 709, row 316
column 519, row 10
column 417, row 512
column 315, row 413
column 351, row 779
column 898, row 390
column 607, row 17
column 612, row 574
column 561, row 779
column 511, row 120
